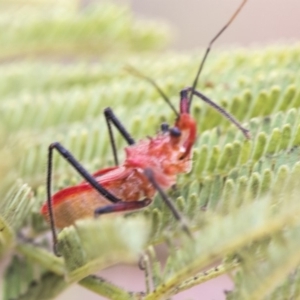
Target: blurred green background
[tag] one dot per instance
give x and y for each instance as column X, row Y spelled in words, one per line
column 61, row 63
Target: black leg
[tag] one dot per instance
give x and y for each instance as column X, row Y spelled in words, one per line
column 81, row 170
column 111, row 118
column 221, row 110
column 122, row 206
column 149, row 174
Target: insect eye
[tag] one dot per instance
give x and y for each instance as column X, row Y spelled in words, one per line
column 164, row 127
column 175, row 132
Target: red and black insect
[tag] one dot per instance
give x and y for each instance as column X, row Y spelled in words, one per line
column 151, row 165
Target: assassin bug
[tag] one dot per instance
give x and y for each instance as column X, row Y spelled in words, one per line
column 151, row 165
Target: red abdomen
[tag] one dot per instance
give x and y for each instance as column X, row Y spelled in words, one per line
column 80, row 201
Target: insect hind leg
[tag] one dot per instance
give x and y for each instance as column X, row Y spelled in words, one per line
column 122, row 207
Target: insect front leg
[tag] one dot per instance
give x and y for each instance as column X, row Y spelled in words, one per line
column 150, row 175
column 82, row 171
column 112, row 119
column 221, row 110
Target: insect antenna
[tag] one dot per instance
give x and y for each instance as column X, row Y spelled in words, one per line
column 137, row 73
column 210, row 46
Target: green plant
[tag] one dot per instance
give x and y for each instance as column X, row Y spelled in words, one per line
column 240, row 198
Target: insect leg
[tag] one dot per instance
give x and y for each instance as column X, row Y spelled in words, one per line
column 82, row 171
column 149, row 174
column 111, row 118
column 122, row 206
column 221, row 110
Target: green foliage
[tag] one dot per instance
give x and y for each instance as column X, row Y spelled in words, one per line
column 240, row 199
column 67, row 30
column 84, row 241
column 27, row 281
